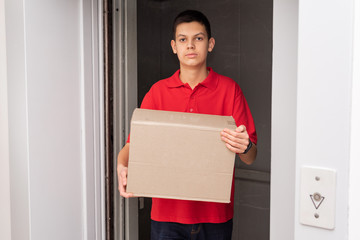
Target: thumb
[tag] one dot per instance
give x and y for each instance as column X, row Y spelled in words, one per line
column 241, row 129
column 124, row 177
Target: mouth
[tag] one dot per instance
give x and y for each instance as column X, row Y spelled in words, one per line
column 191, row 55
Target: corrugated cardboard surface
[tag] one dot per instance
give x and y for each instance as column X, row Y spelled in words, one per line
column 180, row 156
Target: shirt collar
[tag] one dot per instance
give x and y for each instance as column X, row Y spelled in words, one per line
column 209, row 82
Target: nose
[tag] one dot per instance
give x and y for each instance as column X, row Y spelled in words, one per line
column 190, row 44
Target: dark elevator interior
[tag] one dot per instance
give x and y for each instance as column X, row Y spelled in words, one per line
column 243, row 51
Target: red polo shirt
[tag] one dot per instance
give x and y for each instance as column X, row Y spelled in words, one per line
column 218, row 95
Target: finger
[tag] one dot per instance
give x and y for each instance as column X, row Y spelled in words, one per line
column 241, row 129
column 123, row 176
column 126, row 195
column 124, row 181
column 227, row 132
column 236, row 133
column 230, row 139
column 129, row 195
column 123, row 193
column 235, row 137
column 234, row 149
column 237, row 143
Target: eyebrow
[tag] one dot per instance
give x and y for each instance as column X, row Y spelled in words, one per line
column 183, row 35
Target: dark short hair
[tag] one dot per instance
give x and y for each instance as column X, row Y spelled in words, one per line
column 192, row 16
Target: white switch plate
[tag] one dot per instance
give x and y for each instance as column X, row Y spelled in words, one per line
column 317, row 197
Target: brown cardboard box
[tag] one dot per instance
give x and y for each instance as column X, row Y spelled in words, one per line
column 180, row 156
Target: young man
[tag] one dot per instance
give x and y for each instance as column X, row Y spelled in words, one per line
column 196, row 88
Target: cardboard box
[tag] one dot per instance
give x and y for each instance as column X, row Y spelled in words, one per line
column 180, row 156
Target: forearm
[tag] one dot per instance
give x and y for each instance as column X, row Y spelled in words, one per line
column 122, row 163
column 250, row 156
column 123, row 157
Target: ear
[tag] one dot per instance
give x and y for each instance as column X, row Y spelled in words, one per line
column 211, row 44
column 173, row 46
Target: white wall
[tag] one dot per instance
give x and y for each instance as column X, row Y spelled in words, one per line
column 54, row 99
column 283, row 122
column 18, row 128
column 53, row 137
column 324, row 102
column 323, row 105
column 5, row 217
column 354, row 207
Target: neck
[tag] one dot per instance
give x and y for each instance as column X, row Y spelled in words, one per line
column 193, row 76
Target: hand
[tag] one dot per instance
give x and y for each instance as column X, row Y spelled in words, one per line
column 122, row 176
column 236, row 140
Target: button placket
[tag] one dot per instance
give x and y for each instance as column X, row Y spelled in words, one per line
column 192, row 104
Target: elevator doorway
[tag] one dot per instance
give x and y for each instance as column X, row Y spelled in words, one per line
column 243, row 51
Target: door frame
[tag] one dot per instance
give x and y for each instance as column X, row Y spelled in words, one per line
column 303, row 37
column 283, row 199
column 284, row 68
column 125, row 101
column 283, row 119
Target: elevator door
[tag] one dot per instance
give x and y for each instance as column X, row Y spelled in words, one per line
column 243, row 51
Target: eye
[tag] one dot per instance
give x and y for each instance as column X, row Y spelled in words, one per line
column 182, row 40
column 199, row 38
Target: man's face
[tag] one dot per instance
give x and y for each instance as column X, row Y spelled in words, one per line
column 191, row 44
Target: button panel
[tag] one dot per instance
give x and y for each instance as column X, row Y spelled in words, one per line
column 317, row 197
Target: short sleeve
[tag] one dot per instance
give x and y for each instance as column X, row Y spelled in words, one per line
column 242, row 114
column 147, row 103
